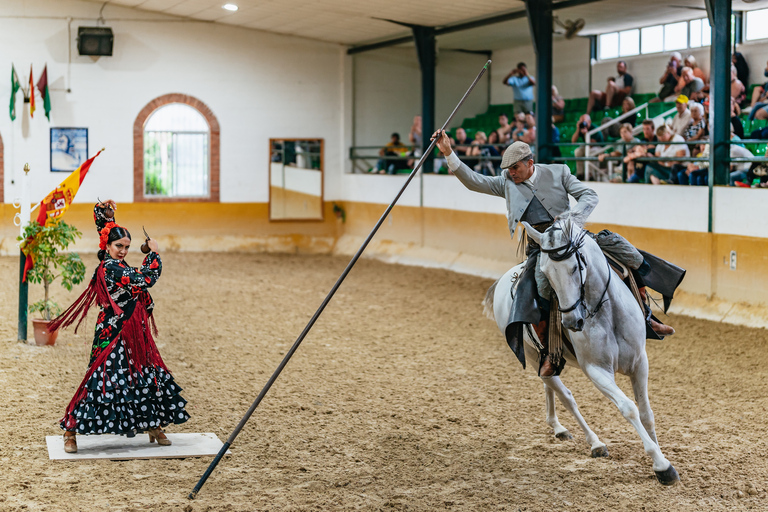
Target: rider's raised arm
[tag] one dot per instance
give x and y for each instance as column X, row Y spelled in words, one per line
column 493, row 185
column 586, row 197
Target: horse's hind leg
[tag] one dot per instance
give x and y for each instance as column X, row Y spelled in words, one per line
column 640, row 387
column 605, row 382
column 560, row 431
column 555, row 385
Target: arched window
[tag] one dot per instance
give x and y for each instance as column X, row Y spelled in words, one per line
column 175, row 151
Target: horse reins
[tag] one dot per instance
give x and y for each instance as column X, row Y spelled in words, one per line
column 563, row 253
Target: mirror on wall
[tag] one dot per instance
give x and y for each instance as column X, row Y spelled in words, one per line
column 296, row 179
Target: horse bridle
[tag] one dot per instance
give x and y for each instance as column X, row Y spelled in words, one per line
column 563, row 253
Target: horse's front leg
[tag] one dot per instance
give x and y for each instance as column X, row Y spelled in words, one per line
column 560, row 431
column 555, row 385
column 639, row 380
column 604, row 381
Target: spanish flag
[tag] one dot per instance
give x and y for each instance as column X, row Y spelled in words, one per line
column 55, row 204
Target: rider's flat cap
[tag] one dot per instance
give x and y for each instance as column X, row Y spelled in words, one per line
column 514, row 153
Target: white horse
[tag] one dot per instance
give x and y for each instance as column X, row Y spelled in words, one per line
column 607, row 334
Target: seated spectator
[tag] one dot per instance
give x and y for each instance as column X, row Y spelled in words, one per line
column 483, row 152
column 690, row 61
column 504, row 131
column 689, row 85
column 615, row 91
column 649, row 133
column 530, row 121
column 519, row 129
column 636, row 170
column 682, row 119
column 666, row 171
column 414, row 136
column 738, row 90
column 493, row 138
column 699, row 174
column 696, row 173
column 555, row 140
column 530, row 138
column 739, row 170
column 621, row 148
column 462, row 142
column 583, row 126
column 760, row 100
column 558, row 106
column 626, row 106
column 758, row 171
column 736, row 125
column 742, row 68
column 522, row 86
column 670, row 78
column 697, row 130
column 393, row 148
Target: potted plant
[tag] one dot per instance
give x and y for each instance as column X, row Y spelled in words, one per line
column 46, row 245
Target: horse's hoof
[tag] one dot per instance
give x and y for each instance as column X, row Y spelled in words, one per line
column 668, row 477
column 564, row 436
column 600, row 451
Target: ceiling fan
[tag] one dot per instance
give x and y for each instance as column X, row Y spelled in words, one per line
column 572, row 27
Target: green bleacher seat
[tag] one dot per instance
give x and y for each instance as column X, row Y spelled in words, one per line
column 643, row 98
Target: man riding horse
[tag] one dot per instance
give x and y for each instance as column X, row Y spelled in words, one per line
column 537, row 194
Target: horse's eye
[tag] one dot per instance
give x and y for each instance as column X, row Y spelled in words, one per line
column 574, row 270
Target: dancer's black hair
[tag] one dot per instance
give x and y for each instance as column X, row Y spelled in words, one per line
column 116, row 233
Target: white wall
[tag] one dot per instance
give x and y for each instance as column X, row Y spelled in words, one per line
column 387, row 91
column 258, row 85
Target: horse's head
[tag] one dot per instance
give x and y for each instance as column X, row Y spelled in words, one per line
column 565, row 250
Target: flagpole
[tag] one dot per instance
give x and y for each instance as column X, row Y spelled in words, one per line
column 24, row 213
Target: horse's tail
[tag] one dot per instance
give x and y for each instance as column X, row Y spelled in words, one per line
column 488, row 301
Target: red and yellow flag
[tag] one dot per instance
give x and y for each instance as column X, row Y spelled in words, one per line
column 55, row 204
column 31, row 93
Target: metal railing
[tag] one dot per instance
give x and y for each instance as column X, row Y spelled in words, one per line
column 363, row 162
column 636, row 130
column 650, row 158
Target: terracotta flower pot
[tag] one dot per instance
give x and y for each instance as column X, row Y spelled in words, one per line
column 42, row 336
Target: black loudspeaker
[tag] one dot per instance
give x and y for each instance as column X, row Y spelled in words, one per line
column 95, row 41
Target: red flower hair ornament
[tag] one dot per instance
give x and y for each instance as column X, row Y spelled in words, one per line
column 105, row 235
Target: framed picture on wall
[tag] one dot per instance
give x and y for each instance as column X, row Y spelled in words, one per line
column 69, row 148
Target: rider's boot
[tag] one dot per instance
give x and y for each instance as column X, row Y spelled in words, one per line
column 547, row 369
column 658, row 327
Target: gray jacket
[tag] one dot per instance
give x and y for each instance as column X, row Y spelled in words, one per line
column 554, row 183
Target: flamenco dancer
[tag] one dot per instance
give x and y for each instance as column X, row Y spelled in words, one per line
column 127, row 388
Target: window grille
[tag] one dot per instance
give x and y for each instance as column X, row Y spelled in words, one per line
column 176, row 153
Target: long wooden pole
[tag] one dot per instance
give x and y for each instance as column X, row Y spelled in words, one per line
column 327, row 299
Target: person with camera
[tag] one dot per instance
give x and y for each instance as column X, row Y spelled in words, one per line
column 670, row 78
column 584, row 125
column 522, row 86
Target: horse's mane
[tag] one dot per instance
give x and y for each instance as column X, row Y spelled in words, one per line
column 572, row 238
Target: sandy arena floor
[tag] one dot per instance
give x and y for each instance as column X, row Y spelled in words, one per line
column 403, row 397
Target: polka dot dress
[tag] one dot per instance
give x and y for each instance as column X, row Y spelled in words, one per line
column 126, row 401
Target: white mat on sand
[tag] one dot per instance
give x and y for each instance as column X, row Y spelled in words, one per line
column 124, row 448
